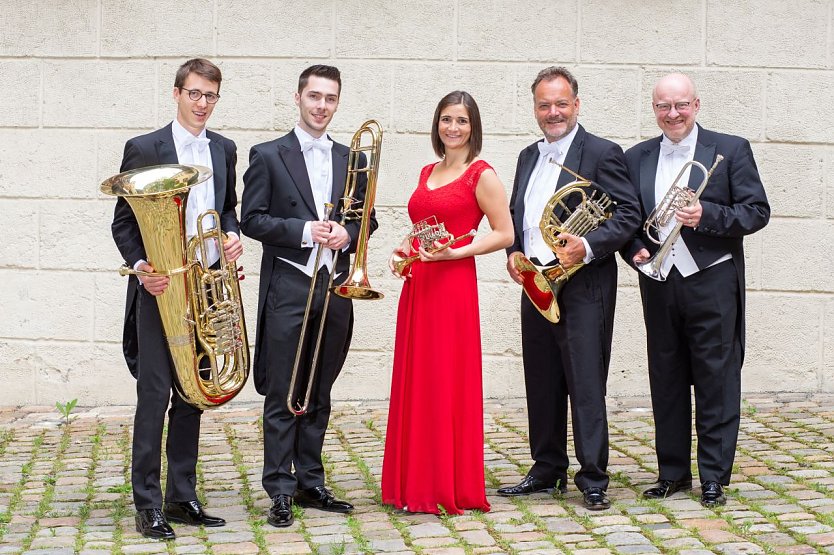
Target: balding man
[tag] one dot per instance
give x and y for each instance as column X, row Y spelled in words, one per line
column 695, row 317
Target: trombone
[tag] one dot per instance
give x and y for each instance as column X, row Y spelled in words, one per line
column 677, row 197
column 356, row 285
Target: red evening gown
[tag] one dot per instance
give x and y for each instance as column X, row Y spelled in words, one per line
column 434, row 447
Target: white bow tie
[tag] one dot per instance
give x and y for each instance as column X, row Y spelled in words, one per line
column 668, row 149
column 200, row 142
column 323, row 145
column 551, row 149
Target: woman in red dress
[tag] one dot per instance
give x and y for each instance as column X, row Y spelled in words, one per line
column 434, row 447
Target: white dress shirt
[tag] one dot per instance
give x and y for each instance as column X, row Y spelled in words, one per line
column 672, row 158
column 541, row 187
column 319, row 161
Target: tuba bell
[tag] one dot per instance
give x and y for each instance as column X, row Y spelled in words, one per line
column 201, row 309
column 677, row 197
column 356, row 285
column 592, row 207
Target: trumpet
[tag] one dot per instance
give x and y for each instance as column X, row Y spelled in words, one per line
column 677, row 197
column 356, row 285
column 542, row 283
column 427, row 232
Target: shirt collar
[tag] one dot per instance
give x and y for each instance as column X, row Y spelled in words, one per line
column 304, row 137
column 690, row 140
column 565, row 142
column 180, row 133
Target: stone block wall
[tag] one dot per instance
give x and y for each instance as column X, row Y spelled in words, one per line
column 79, row 77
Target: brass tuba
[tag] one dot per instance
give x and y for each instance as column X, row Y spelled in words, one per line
column 677, row 197
column 201, row 310
column 356, row 285
column 543, row 283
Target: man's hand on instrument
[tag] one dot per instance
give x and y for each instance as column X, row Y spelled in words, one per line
column 690, row 216
column 571, row 252
column 155, row 285
column 233, row 248
column 641, row 256
column 339, row 237
column 512, row 270
column 320, row 231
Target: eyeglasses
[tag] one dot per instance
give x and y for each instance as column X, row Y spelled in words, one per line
column 196, row 95
column 663, row 107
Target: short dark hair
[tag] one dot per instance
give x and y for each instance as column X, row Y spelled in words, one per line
column 320, row 70
column 476, row 138
column 554, row 72
column 201, row 67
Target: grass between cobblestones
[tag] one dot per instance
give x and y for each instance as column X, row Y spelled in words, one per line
column 66, row 489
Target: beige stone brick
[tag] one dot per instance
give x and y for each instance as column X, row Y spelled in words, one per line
column 19, row 249
column 263, row 28
column 789, row 96
column 503, row 377
column 47, row 163
column 784, row 238
column 825, row 377
column 492, row 86
column 115, row 93
column 157, row 28
column 608, row 99
column 731, row 101
column 76, row 235
column 110, row 146
column 794, row 178
column 109, row 305
column 628, row 371
column 365, row 375
column 412, row 30
column 403, row 157
column 783, row 343
column 756, row 258
column 245, row 96
column 636, row 32
column 109, row 382
column 514, row 30
column 57, row 28
column 50, row 305
column 500, row 318
column 756, row 33
column 366, row 94
column 20, row 87
column 829, row 184
column 21, row 361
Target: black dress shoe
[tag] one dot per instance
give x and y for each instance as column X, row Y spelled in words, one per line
column 191, row 512
column 151, row 523
column 665, row 488
column 280, row 514
column 531, row 485
column 712, row 494
column 595, row 499
column 320, row 498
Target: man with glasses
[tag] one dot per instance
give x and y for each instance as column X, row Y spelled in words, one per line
column 695, row 318
column 183, row 141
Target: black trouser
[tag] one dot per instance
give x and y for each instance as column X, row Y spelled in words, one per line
column 153, row 390
column 291, row 441
column 693, row 338
column 570, row 359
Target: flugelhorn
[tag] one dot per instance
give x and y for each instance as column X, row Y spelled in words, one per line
column 543, row 283
column 427, row 232
column 201, row 309
column 356, row 285
column 677, row 197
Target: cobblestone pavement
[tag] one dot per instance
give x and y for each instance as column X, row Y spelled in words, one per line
column 65, row 489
